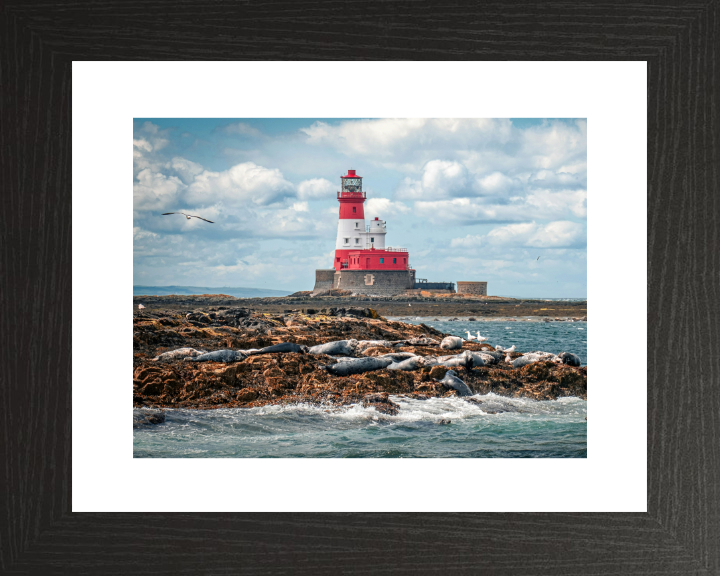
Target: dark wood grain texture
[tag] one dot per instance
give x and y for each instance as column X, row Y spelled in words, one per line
column 680, row 534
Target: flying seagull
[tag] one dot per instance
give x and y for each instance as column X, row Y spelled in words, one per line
column 188, row 216
column 538, row 258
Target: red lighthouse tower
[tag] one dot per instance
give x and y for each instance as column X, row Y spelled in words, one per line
column 360, row 246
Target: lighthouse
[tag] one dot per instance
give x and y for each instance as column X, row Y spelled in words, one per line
column 353, row 234
column 362, row 262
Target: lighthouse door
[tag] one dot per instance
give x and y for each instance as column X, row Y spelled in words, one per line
column 367, row 263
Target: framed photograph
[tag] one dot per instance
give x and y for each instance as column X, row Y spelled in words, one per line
column 85, row 493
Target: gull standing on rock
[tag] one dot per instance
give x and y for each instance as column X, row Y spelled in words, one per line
column 470, row 336
column 480, row 338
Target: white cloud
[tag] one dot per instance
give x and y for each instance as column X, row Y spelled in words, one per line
column 155, row 191
column 243, row 183
column 187, row 169
column 393, row 138
column 467, row 211
column 157, row 138
column 383, row 208
column 549, row 204
column 316, row 188
column 142, row 144
column 559, row 234
column 243, row 129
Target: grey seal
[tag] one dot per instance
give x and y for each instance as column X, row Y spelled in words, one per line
column 569, row 358
column 410, row 364
column 451, row 381
column 423, row 342
column 399, row 356
column 219, row 356
column 359, row 365
column 179, row 353
column 451, row 343
column 346, row 347
column 283, row 347
column 464, row 359
column 531, row 357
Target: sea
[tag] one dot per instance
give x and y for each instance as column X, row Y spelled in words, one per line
column 435, row 428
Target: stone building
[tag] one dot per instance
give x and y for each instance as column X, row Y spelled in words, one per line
column 476, row 288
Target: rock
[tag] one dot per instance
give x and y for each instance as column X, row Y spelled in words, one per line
column 444, row 422
column 246, row 395
column 438, row 372
column 451, row 343
column 381, row 402
column 143, row 417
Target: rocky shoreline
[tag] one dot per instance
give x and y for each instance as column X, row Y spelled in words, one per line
column 373, row 358
column 448, row 306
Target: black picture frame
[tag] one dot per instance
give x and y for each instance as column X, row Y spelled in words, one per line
column 680, row 533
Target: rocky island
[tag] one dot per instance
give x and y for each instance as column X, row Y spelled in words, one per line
column 233, row 356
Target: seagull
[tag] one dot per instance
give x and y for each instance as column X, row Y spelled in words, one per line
column 538, row 258
column 140, row 306
column 511, row 349
column 470, row 336
column 480, row 338
column 188, row 216
column 508, row 359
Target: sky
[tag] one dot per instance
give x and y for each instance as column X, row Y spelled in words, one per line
column 496, row 200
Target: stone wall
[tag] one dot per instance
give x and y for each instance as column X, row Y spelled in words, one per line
column 324, row 280
column 375, row 282
column 477, row 288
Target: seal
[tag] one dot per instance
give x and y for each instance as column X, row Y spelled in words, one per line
column 179, row 353
column 531, row 357
column 219, row 356
column 359, row 365
column 451, row 381
column 451, row 343
column 464, row 359
column 346, row 347
column 423, row 342
column 363, row 345
column 479, row 359
column 569, row 358
column 283, row 347
column 399, row 356
column 410, row 364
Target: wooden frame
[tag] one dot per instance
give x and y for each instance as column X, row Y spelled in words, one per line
column 680, row 533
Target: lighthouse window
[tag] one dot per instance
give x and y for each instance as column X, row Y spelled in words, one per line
column 347, row 240
column 356, row 224
column 372, row 239
column 382, row 260
column 354, row 210
column 393, row 260
column 357, row 240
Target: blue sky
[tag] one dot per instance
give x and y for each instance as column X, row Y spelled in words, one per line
column 472, row 199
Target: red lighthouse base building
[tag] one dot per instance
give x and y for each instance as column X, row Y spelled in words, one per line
column 362, row 263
